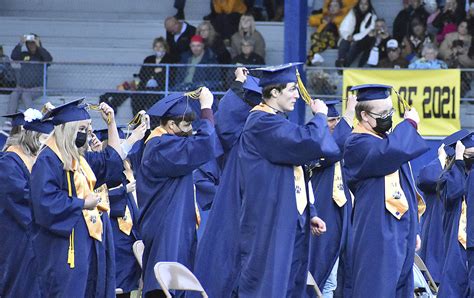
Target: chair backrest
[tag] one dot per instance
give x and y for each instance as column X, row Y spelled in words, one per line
column 175, row 276
column 422, row 266
column 138, row 248
column 311, row 282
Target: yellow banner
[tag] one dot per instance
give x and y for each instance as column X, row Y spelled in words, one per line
column 435, row 94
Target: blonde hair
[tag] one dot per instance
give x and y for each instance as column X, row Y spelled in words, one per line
column 244, row 18
column 65, row 135
column 27, row 140
column 212, row 32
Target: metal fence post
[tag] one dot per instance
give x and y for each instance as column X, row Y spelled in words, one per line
column 45, row 78
column 167, row 81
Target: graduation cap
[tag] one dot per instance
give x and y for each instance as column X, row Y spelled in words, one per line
column 103, row 134
column 68, row 112
column 45, row 127
column 332, row 111
column 279, row 74
column 172, row 105
column 253, row 92
column 17, row 118
column 369, row 92
column 463, row 135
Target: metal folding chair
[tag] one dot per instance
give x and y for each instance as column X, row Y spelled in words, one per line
column 312, row 283
column 175, row 276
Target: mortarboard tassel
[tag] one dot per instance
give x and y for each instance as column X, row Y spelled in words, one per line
column 304, row 93
column 194, row 94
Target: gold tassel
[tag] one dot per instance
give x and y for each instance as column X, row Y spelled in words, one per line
column 194, row 94
column 70, row 253
column 405, row 104
column 96, row 107
column 304, row 93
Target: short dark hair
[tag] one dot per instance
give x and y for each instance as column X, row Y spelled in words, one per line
column 188, row 117
column 267, row 90
column 162, row 41
column 361, row 106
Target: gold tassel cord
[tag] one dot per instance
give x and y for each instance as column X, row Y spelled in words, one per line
column 70, row 252
column 96, row 107
column 405, row 104
column 304, row 93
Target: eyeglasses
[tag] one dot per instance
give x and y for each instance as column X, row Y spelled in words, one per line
column 383, row 116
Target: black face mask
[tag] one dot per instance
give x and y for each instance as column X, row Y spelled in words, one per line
column 81, row 139
column 469, row 161
column 383, row 125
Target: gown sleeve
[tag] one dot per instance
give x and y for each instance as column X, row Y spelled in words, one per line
column 428, row 176
column 107, row 166
column 452, row 183
column 53, row 209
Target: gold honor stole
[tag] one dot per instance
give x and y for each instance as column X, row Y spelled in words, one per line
column 462, row 235
column 338, row 194
column 395, row 200
column 27, row 160
column 300, row 183
column 125, row 222
column 84, row 182
column 158, row 132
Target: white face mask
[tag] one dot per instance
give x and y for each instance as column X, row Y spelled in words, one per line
column 160, row 54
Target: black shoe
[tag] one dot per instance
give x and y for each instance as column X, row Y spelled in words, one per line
column 180, row 14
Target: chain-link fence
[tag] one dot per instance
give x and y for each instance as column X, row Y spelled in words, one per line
column 148, row 83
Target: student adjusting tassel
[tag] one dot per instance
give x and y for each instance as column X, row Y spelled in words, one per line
column 304, row 93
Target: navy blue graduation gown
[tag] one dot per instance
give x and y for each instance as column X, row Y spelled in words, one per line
column 166, row 198
column 217, row 257
column 470, row 229
column 128, row 270
column 325, row 249
column 383, row 247
column 17, row 259
column 56, row 215
column 274, row 238
column 432, row 235
column 454, row 277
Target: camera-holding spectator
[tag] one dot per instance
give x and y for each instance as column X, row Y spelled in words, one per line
column 178, row 36
column 225, row 16
column 193, row 77
column 248, row 55
column 213, row 41
column 7, row 74
column 31, row 74
column 428, row 59
column 401, row 25
column 354, row 31
column 413, row 43
column 456, row 43
column 247, row 29
column 446, row 20
column 327, row 30
column 377, row 49
column 394, row 58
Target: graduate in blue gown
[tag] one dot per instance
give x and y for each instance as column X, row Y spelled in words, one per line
column 385, row 214
column 165, row 189
column 217, row 258
column 72, row 241
column 451, row 188
column 124, row 215
column 277, row 212
column 332, row 204
column 469, row 160
column 432, row 235
column 17, row 259
column 17, row 121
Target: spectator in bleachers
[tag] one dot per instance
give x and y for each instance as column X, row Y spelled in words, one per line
column 178, row 36
column 192, row 77
column 446, row 20
column 225, row 16
column 413, row 43
column 354, row 31
column 7, row 74
column 457, row 42
column 247, row 29
column 213, row 41
column 428, row 59
column 152, row 78
column 31, row 74
column 326, row 24
column 394, row 58
column 377, row 44
column 401, row 25
column 248, row 55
